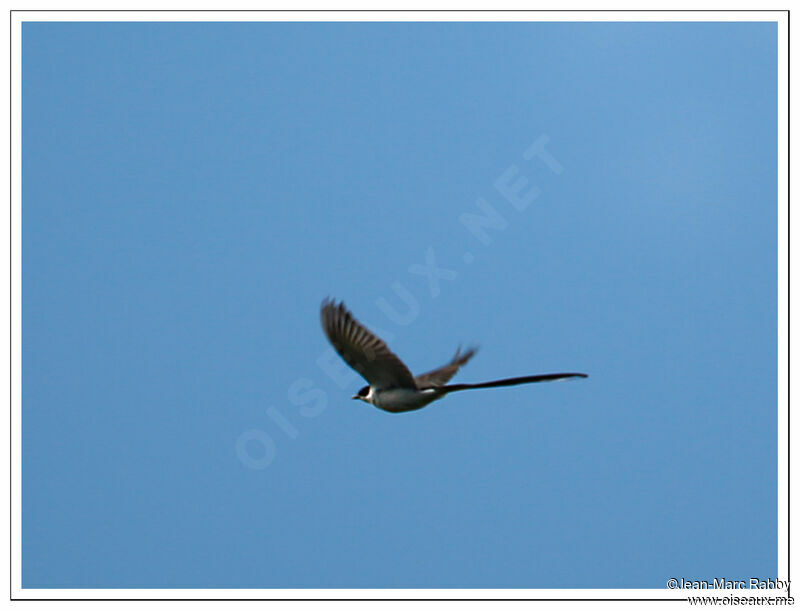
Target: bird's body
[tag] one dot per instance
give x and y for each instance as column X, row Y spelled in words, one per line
column 392, row 387
column 401, row 399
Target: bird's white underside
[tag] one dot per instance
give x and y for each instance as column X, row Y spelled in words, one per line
column 401, row 399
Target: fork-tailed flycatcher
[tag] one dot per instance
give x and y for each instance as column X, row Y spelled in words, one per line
column 391, row 387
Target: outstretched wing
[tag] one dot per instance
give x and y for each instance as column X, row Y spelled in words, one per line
column 362, row 350
column 441, row 376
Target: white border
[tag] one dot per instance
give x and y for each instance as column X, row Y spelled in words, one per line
column 416, row 15
column 15, row 45
column 783, row 297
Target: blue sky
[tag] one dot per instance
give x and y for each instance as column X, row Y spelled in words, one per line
column 191, row 193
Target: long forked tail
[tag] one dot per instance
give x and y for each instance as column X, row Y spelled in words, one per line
column 546, row 377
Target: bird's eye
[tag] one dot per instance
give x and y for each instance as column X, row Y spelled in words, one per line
column 363, row 392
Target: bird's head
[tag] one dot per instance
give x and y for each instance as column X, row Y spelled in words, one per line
column 363, row 394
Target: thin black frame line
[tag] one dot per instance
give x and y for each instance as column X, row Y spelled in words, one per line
column 10, row 296
column 788, row 303
column 353, row 599
column 428, row 10
column 788, row 246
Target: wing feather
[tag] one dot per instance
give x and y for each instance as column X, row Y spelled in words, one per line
column 363, row 350
column 441, row 376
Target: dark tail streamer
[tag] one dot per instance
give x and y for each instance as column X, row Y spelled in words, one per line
column 547, row 377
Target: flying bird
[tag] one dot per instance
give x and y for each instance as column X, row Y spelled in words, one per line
column 392, row 387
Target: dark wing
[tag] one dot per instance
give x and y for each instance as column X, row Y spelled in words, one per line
column 441, row 376
column 362, row 350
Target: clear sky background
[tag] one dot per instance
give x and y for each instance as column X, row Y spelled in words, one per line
column 191, row 193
